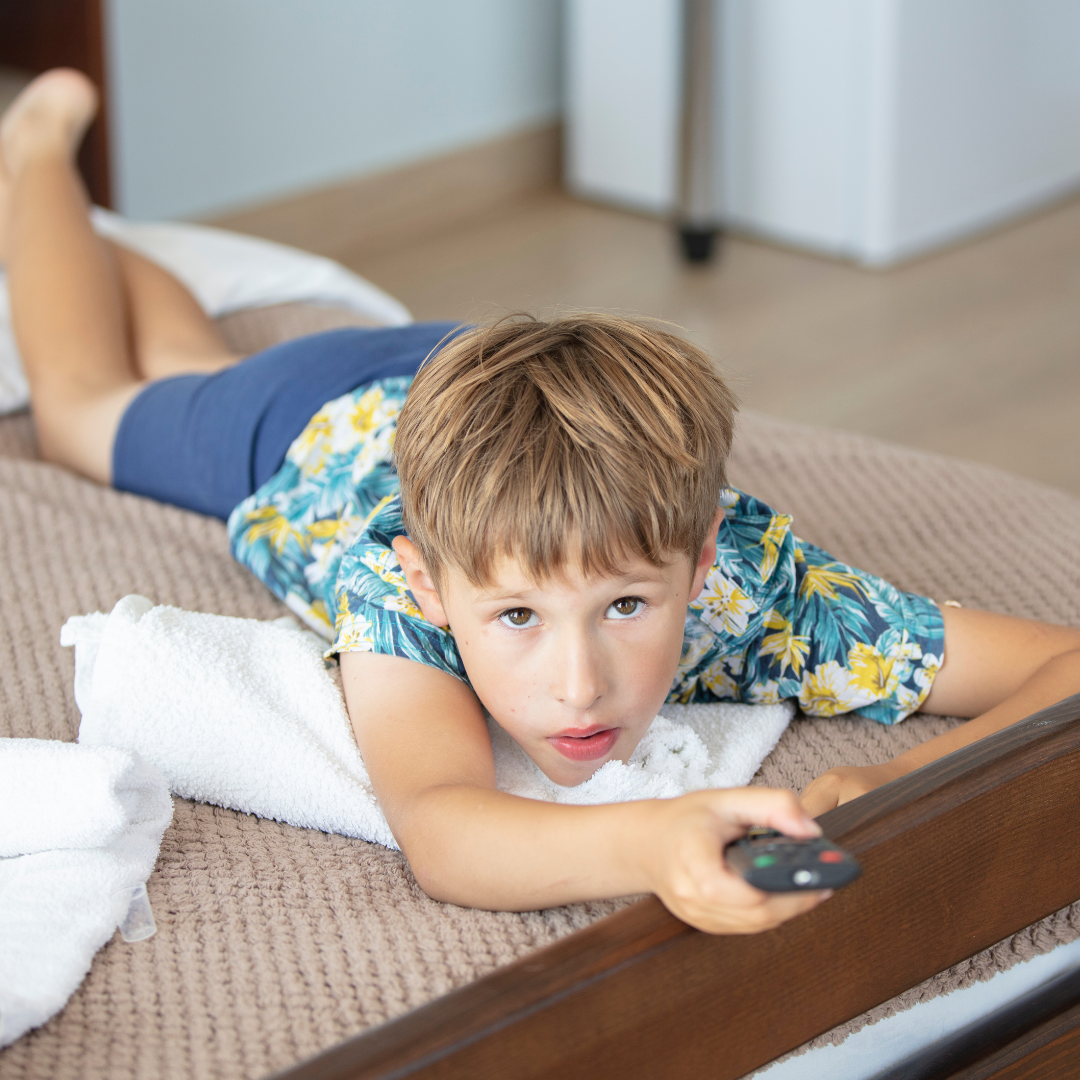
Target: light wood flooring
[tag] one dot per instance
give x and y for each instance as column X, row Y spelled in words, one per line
column 974, row 351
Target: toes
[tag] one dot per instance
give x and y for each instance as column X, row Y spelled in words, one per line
column 52, row 112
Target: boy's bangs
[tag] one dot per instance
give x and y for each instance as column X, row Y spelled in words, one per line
column 566, row 520
column 585, row 442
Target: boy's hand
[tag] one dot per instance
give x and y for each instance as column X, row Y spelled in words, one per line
column 844, row 783
column 426, row 746
column 686, row 864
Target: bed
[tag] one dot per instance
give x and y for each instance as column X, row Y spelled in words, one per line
column 286, row 951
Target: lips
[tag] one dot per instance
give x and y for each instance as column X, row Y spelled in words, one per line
column 591, row 744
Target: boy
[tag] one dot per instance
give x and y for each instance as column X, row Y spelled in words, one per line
column 563, row 551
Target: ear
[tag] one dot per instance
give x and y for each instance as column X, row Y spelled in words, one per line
column 707, row 556
column 419, row 581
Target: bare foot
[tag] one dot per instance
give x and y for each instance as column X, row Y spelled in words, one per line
column 50, row 116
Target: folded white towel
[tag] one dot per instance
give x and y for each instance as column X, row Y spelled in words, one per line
column 245, row 714
column 79, row 827
column 225, row 271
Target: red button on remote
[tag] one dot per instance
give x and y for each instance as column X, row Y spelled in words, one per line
column 831, row 856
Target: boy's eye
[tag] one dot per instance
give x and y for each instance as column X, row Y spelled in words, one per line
column 519, row 618
column 625, row 607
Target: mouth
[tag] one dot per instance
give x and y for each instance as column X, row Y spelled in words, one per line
column 585, row 745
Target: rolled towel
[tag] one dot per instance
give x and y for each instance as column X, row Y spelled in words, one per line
column 246, row 714
column 79, row 828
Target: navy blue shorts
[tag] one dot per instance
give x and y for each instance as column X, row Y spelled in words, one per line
column 207, row 442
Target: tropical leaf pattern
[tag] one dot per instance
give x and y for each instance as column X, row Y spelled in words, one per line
column 778, row 618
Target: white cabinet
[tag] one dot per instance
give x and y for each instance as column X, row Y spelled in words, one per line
column 870, row 129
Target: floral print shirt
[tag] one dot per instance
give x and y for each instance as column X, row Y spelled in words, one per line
column 778, row 618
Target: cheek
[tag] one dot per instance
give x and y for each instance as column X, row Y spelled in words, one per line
column 647, row 669
column 501, row 678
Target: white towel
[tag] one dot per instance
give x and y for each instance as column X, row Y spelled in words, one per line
column 225, row 271
column 245, row 714
column 78, row 826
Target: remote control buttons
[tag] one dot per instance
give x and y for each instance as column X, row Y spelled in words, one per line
column 764, row 860
column 831, row 856
column 804, row 878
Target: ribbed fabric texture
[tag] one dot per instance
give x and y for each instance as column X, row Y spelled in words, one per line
column 275, row 942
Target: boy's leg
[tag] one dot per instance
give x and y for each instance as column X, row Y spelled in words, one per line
column 168, row 331
column 93, row 322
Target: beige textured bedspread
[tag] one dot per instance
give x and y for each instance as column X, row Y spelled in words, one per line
column 276, row 942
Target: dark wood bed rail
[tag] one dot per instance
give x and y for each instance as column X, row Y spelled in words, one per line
column 956, row 856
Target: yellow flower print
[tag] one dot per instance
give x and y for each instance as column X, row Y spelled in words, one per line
column 907, row 701
column 871, row 671
column 384, row 562
column 693, row 650
column 403, row 602
column 825, row 580
column 790, row 649
column 772, row 540
column 362, row 416
column 318, row 431
column 717, row 681
column 827, row 691
column 331, row 528
column 355, row 635
column 313, row 615
column 269, row 523
column 728, row 500
column 924, row 676
column 765, row 693
column 723, row 602
column 317, row 613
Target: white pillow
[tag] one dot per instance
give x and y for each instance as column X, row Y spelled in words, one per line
column 225, row 271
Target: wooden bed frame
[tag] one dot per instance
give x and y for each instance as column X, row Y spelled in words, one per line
column 956, row 856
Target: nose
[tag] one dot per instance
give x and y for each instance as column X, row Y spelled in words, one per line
column 578, row 679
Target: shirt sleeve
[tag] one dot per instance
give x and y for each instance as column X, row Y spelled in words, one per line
column 375, row 610
column 871, row 648
column 781, row 619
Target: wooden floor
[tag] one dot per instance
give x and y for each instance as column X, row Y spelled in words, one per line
column 974, row 351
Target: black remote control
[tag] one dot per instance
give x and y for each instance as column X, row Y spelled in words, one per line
column 773, row 862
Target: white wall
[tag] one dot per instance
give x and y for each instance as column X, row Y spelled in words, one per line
column 221, row 103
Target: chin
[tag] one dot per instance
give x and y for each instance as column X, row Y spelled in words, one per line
column 572, row 773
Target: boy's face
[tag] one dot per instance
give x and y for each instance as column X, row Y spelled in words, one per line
column 574, row 668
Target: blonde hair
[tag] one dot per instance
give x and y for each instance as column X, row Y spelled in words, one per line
column 586, row 440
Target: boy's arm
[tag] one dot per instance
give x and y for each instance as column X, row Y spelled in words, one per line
column 424, row 741
column 997, row 669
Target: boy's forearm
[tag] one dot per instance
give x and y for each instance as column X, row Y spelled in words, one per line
column 483, row 848
column 1056, row 679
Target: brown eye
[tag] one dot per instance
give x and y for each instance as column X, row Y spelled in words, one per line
column 625, row 607
column 518, row 617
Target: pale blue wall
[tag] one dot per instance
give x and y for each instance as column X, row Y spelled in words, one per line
column 221, row 103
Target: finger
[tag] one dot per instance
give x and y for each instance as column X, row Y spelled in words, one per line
column 769, row 807
column 816, row 800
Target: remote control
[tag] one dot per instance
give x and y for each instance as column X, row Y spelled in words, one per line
column 772, row 862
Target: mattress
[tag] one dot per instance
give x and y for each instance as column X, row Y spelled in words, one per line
column 275, row 942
